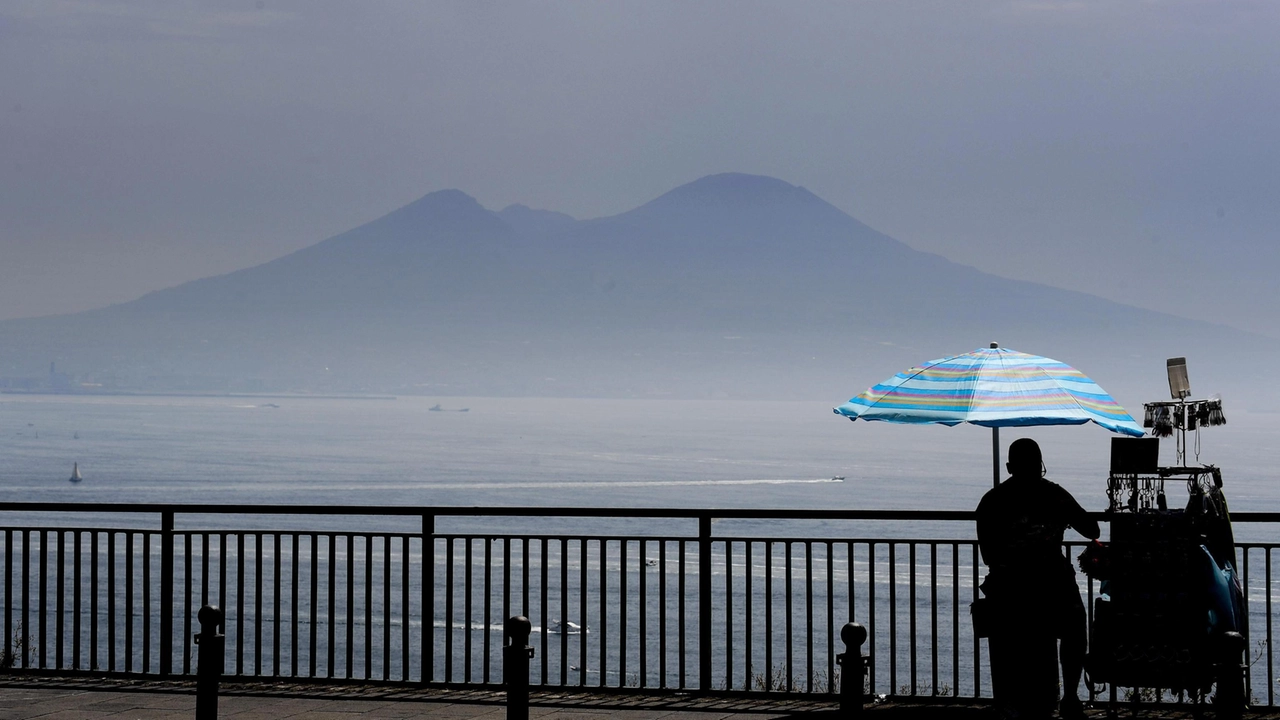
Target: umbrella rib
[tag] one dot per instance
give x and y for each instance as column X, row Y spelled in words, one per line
column 973, row 395
column 918, row 370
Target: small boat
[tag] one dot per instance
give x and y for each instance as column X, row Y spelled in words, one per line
column 837, row 478
column 439, row 408
column 75, row 473
column 270, row 405
column 555, row 627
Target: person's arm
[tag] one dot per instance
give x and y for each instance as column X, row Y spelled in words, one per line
column 1078, row 518
column 988, row 545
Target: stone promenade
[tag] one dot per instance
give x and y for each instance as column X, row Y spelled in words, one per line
column 30, row 698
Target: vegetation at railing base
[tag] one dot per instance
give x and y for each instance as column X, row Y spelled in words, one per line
column 19, row 651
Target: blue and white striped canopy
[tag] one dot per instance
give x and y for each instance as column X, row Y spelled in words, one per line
column 992, row 387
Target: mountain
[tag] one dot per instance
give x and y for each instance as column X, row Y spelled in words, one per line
column 732, row 285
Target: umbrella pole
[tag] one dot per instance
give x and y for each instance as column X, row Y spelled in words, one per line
column 995, row 457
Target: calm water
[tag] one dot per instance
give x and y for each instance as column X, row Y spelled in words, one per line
column 613, row 453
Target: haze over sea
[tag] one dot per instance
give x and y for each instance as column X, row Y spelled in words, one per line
column 548, row 452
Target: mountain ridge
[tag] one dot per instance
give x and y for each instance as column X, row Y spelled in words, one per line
column 729, row 285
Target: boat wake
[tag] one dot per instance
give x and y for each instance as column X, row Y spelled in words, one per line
column 633, row 483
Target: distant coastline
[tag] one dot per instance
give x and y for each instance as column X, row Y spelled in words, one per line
column 144, row 393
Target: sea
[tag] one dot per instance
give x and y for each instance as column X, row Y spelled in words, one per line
column 425, row 451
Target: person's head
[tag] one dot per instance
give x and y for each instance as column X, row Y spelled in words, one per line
column 1025, row 459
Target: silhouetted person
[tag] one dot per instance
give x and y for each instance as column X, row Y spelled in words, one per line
column 1029, row 581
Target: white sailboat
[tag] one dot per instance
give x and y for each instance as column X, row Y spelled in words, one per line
column 75, row 473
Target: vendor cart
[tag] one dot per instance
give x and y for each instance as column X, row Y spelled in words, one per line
column 1169, row 614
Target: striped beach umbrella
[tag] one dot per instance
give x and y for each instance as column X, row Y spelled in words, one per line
column 993, row 387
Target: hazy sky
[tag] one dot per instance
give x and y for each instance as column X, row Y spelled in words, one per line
column 1130, row 149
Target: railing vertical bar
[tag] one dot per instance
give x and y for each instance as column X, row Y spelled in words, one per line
column 93, row 599
column 75, row 601
column 662, row 613
column 704, row 602
column 768, row 616
column 911, row 620
column 543, row 553
column 955, row 618
column 977, row 644
column 294, row 604
column 351, row 605
column 749, row 619
column 405, row 578
column 448, row 609
column 871, row 616
column 850, row 568
column 680, row 616
column 789, row 606
column 204, row 573
column 892, row 618
column 1270, row 670
column 622, row 611
column 933, row 618
column 222, row 576
column 42, row 609
column 313, row 617
column 111, row 597
column 331, row 542
column 564, row 611
column 8, row 586
column 166, row 592
column 386, row 607
column 582, row 611
column 1248, row 643
column 728, row 614
column 275, row 604
column 257, row 605
column 188, row 549
column 524, row 577
column 58, row 602
column 239, row 603
column 604, row 609
column 467, row 581
column 428, row 600
column 1088, row 609
column 643, row 573
column 808, row 613
column 488, row 602
column 128, row 601
column 506, row 578
column 831, row 614
column 146, row 602
column 368, row 619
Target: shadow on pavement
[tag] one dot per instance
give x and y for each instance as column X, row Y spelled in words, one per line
column 888, row 711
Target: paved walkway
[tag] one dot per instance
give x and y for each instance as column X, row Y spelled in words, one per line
column 81, row 699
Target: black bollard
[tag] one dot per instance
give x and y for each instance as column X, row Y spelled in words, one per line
column 516, row 654
column 210, row 660
column 1229, row 699
column 853, row 669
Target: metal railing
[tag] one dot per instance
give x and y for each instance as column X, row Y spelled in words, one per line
column 646, row 599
